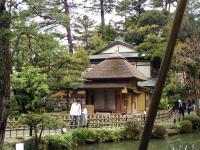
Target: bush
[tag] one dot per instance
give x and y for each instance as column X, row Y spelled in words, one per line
column 159, row 131
column 60, row 142
column 132, row 130
column 195, row 120
column 105, row 135
column 81, row 135
column 9, row 146
column 185, row 126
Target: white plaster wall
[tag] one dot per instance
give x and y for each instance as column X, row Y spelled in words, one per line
column 118, row 48
column 146, row 70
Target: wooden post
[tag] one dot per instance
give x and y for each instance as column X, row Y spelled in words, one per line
column 162, row 75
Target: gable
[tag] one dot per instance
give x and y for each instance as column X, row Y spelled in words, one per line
column 118, row 48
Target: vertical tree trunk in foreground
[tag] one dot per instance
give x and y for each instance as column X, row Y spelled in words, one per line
column 5, row 68
column 68, row 27
column 162, row 76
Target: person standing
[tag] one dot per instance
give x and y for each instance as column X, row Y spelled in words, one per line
column 183, row 109
column 75, row 113
column 84, row 116
column 189, row 107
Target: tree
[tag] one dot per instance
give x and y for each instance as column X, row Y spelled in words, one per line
column 82, row 27
column 127, row 8
column 102, row 6
column 165, row 4
column 30, row 87
column 188, row 61
column 40, row 122
column 5, row 65
column 53, row 14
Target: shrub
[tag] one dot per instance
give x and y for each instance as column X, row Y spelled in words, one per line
column 185, row 126
column 132, row 130
column 105, row 135
column 159, row 131
column 81, row 135
column 9, row 146
column 195, row 120
column 59, row 142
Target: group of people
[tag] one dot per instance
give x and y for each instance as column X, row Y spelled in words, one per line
column 78, row 114
column 181, row 106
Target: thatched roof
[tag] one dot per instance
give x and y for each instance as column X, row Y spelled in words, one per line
column 114, row 67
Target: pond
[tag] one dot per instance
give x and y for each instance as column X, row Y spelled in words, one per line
column 178, row 142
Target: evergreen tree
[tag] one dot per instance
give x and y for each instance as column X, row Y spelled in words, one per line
column 82, row 27
column 5, row 65
column 102, row 6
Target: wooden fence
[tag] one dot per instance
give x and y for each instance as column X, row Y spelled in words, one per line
column 25, row 132
column 97, row 120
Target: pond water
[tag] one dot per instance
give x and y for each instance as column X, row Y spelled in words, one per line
column 179, row 142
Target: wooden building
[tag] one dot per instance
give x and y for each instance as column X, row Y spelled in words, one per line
column 119, row 80
column 111, row 86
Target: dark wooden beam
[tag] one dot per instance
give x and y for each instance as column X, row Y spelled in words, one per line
column 162, row 75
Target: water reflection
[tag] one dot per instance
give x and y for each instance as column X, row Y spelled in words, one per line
column 180, row 142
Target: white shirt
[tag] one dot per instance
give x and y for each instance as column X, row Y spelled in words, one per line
column 84, row 111
column 75, row 109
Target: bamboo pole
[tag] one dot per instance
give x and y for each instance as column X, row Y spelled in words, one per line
column 162, row 75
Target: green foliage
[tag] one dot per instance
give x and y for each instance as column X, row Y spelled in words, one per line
column 110, row 33
column 163, row 104
column 132, row 130
column 153, row 17
column 8, row 146
column 66, row 69
column 81, row 135
column 195, row 120
column 83, row 27
column 59, row 142
column 153, row 46
column 126, row 8
column 105, row 135
column 96, row 43
column 159, row 131
column 39, row 122
column 185, row 126
column 30, row 86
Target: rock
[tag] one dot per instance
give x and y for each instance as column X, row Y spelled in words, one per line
column 172, row 132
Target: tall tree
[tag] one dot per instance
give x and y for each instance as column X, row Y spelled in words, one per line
column 53, row 14
column 189, row 64
column 5, row 65
column 68, row 26
column 102, row 6
column 83, row 27
column 165, row 4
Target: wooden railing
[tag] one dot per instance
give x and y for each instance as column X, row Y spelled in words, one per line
column 25, row 132
column 106, row 119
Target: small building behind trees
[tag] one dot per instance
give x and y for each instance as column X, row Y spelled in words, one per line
column 118, row 80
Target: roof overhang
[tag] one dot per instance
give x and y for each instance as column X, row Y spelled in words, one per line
column 99, row 85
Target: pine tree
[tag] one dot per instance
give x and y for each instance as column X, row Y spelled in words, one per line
column 5, row 65
column 82, row 27
column 102, row 6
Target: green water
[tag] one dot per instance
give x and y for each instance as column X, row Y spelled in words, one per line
column 179, row 142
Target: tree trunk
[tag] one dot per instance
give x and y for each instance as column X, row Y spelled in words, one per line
column 68, row 27
column 166, row 3
column 155, row 100
column 102, row 16
column 5, row 69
